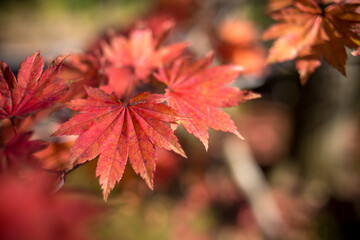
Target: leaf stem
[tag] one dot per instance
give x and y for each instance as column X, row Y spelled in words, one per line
column 62, row 175
column 128, row 90
column 13, row 125
column 66, row 172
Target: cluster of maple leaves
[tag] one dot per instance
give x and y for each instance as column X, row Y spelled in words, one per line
column 121, row 120
column 129, row 93
column 118, row 122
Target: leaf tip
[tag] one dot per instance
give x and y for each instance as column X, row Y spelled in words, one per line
column 105, row 196
column 238, row 135
column 182, row 153
column 150, row 183
column 251, row 95
column 206, row 145
column 149, row 178
column 270, row 60
column 356, row 52
column 238, row 68
column 204, row 140
column 210, row 56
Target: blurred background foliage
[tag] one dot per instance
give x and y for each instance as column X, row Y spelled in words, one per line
column 296, row 176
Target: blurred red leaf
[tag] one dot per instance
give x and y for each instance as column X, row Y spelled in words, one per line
column 118, row 131
column 159, row 23
column 55, row 156
column 131, row 60
column 180, row 10
column 167, row 169
column 29, row 211
column 19, row 150
column 197, row 91
column 32, row 90
column 84, row 70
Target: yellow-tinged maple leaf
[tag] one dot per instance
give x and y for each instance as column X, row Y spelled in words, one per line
column 118, row 131
column 309, row 30
column 197, row 91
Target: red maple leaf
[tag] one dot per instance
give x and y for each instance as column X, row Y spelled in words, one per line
column 198, row 90
column 19, row 151
column 131, row 60
column 311, row 29
column 32, row 90
column 118, row 131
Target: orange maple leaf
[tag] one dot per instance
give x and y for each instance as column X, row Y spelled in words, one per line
column 131, row 60
column 32, row 90
column 119, row 131
column 311, row 29
column 239, row 44
column 197, row 91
